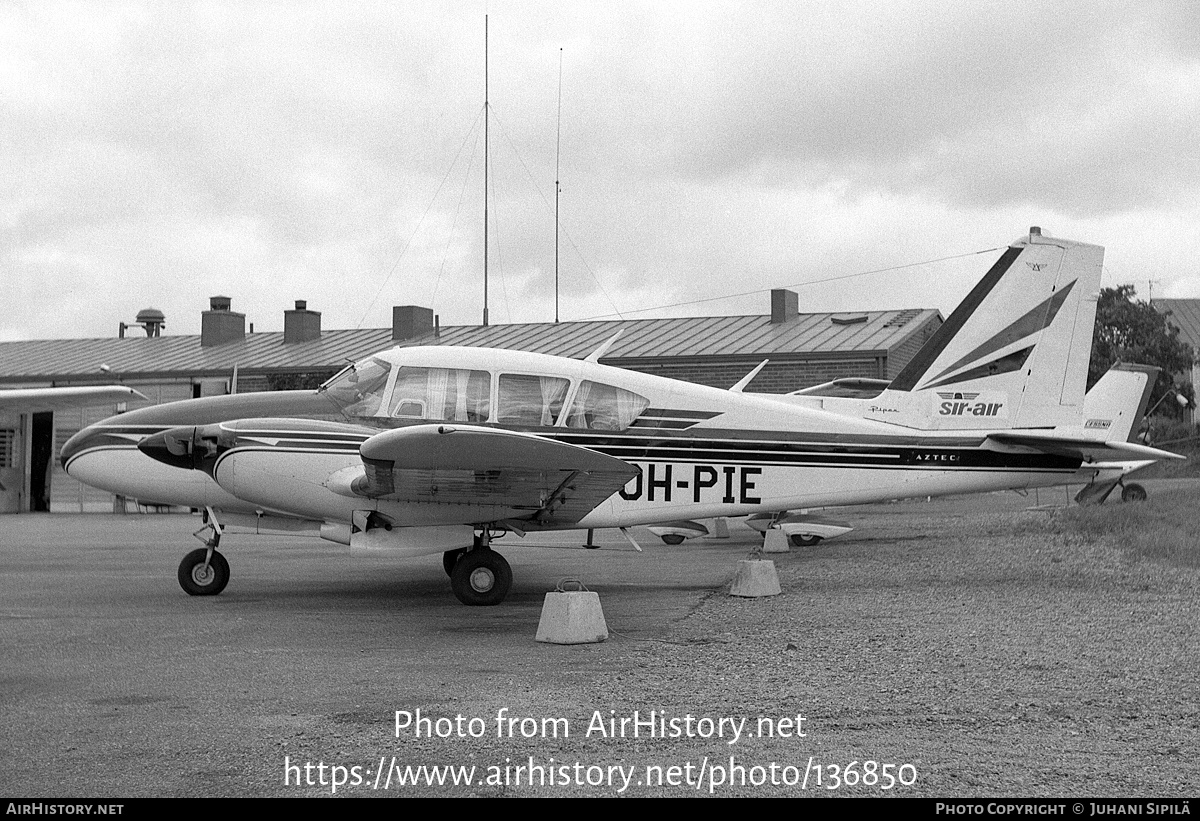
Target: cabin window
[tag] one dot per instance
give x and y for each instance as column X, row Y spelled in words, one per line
column 536, row 401
column 358, row 390
column 604, row 407
column 442, row 394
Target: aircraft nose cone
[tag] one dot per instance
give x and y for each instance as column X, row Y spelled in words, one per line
column 72, row 449
column 173, row 447
column 85, row 439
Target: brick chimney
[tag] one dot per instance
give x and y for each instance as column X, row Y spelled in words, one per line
column 785, row 306
column 301, row 324
column 219, row 325
column 411, row 321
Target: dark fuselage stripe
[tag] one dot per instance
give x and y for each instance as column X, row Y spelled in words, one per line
column 879, row 454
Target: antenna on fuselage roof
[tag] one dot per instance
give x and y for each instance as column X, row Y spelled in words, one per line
column 595, row 355
column 748, row 378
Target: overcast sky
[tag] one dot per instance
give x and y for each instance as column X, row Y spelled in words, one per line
column 159, row 153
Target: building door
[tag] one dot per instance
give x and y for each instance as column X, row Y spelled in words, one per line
column 41, row 461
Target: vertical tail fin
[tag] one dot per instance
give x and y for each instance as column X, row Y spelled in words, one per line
column 1115, row 405
column 1015, row 353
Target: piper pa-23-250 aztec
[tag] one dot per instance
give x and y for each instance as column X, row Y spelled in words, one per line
column 425, row 450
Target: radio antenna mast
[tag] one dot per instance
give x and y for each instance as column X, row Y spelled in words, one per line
column 486, row 117
column 557, row 187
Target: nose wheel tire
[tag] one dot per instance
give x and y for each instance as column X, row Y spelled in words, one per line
column 200, row 578
column 481, row 578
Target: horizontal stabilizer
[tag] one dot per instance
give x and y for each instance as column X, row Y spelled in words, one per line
column 852, row 386
column 1091, row 450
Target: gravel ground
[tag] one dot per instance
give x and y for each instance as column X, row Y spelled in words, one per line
column 994, row 659
column 957, row 637
column 961, row 647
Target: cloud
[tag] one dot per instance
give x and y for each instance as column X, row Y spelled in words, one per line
column 168, row 152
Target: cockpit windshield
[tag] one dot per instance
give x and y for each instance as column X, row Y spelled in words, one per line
column 358, row 390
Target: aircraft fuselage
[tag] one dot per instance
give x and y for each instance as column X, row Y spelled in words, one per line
column 701, row 452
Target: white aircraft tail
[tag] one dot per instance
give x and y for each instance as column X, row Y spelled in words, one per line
column 1014, row 354
column 1115, row 405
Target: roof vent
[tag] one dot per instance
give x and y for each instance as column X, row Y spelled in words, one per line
column 902, row 318
column 848, row 319
column 151, row 320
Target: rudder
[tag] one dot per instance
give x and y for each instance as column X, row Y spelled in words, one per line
column 1015, row 353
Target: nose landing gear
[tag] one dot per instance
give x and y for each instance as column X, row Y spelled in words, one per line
column 204, row 571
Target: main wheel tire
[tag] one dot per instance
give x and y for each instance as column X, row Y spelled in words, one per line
column 450, row 558
column 799, row 540
column 199, row 580
column 1134, row 493
column 672, row 538
column 481, row 578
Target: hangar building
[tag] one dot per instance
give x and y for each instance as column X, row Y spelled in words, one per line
column 804, row 349
column 1184, row 314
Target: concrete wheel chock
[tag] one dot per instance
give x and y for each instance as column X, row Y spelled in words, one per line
column 572, row 616
column 755, row 578
column 775, row 541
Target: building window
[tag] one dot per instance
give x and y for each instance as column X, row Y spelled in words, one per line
column 8, row 439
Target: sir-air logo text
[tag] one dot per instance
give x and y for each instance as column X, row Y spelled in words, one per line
column 988, row 404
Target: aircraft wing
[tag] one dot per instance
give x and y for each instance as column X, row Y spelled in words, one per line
column 537, row 480
column 1092, row 450
column 44, row 399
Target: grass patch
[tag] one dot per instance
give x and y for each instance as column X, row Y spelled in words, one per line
column 1164, row 528
column 1174, row 468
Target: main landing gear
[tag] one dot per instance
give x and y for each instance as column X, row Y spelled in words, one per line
column 204, row 571
column 1133, row 492
column 479, row 576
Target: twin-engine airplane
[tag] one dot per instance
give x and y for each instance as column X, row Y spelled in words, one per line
column 426, row 450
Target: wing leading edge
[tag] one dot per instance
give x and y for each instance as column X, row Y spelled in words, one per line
column 83, row 396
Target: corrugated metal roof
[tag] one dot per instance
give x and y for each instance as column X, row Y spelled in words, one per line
column 688, row 337
column 1184, row 315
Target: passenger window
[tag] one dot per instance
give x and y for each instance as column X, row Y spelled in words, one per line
column 604, row 407
column 442, row 394
column 535, row 401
